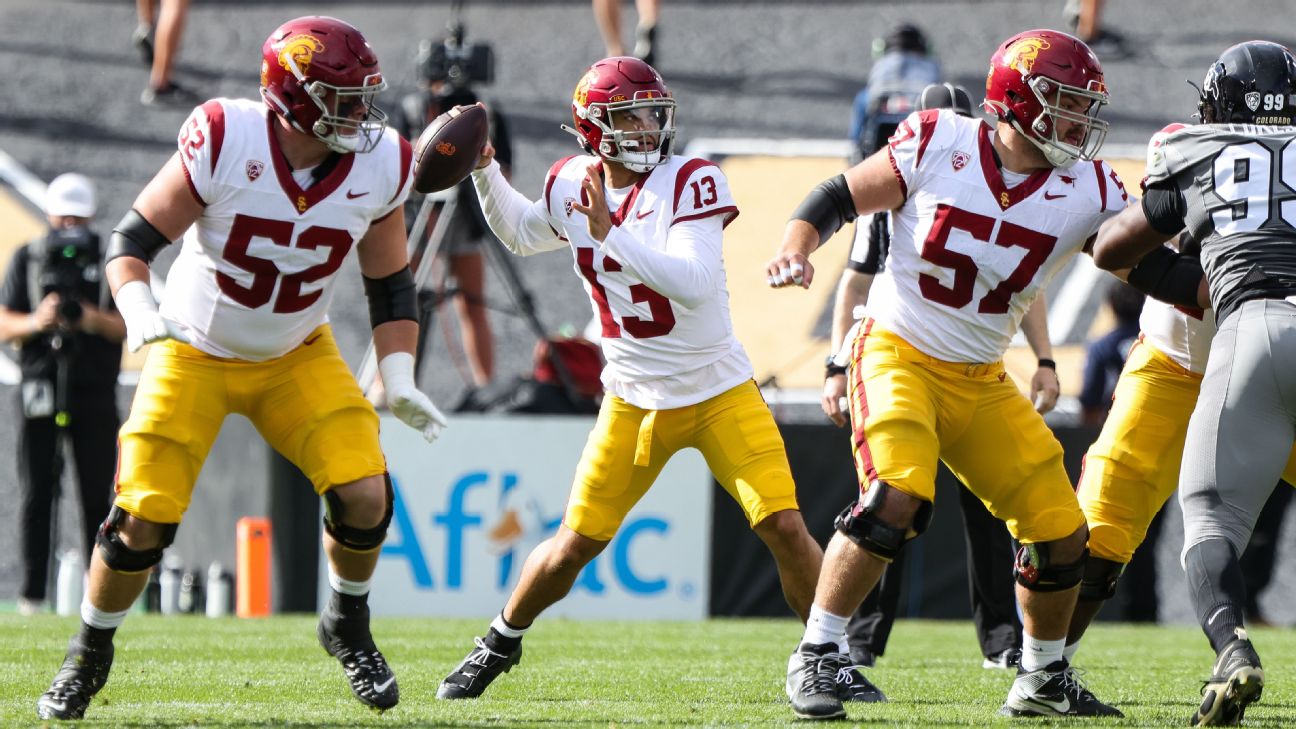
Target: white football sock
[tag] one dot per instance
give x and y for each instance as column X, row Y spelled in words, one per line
column 824, row 627
column 355, row 588
column 505, row 629
column 1037, row 654
column 101, row 619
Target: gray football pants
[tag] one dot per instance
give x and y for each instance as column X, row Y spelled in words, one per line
column 1241, row 432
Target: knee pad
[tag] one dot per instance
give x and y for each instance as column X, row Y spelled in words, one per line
column 1035, row 570
column 860, row 523
column 121, row 558
column 356, row 538
column 1100, row 577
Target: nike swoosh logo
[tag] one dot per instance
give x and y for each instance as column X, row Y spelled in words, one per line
column 354, row 195
column 1061, row 706
column 382, row 687
column 1051, row 196
column 1216, row 614
column 311, row 340
column 643, row 215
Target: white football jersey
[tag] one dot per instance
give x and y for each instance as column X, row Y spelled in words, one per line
column 661, row 353
column 255, row 273
column 969, row 254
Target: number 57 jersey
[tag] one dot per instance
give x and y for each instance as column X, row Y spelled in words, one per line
column 973, row 245
column 256, row 272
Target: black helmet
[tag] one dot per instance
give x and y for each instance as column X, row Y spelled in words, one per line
column 1251, row 83
column 905, row 38
column 945, row 96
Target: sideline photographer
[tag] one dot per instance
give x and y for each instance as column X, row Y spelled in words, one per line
column 447, row 68
column 56, row 310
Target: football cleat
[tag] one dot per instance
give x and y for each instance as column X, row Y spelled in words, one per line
column 349, row 641
column 1005, row 659
column 1236, row 681
column 82, row 674
column 1055, row 690
column 853, row 686
column 471, row 677
column 812, row 681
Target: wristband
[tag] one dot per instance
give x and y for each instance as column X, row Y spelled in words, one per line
column 1046, row 362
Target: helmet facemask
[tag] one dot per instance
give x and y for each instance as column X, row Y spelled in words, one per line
column 647, row 130
column 349, row 120
column 1043, row 128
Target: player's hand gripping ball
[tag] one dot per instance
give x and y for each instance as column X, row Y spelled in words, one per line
column 447, row 151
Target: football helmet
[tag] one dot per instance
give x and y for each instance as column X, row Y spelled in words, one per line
column 623, row 112
column 1030, row 76
column 322, row 76
column 1251, row 83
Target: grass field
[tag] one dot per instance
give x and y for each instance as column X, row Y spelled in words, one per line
column 192, row 671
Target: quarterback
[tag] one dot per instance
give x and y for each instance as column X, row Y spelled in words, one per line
column 645, row 229
column 270, row 197
column 983, row 218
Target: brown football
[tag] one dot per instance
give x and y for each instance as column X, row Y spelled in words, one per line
column 448, row 150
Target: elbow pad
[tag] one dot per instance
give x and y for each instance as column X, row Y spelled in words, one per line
column 391, row 298
column 828, row 207
column 1168, row 276
column 136, row 237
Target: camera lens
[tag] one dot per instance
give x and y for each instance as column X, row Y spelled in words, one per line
column 70, row 310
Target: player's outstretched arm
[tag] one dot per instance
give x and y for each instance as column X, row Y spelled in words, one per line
column 520, row 224
column 162, row 213
column 1129, row 241
column 393, row 312
column 866, row 188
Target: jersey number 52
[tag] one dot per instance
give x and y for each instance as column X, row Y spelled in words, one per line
column 265, row 273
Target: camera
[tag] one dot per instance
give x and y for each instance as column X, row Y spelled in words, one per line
column 457, row 63
column 69, row 260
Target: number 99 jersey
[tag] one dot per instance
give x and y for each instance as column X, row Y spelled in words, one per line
column 1237, row 184
column 255, row 274
column 973, row 245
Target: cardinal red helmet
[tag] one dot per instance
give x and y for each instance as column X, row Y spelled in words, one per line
column 1041, row 77
column 627, row 93
column 321, row 75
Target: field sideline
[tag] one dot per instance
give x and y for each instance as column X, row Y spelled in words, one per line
column 192, row 671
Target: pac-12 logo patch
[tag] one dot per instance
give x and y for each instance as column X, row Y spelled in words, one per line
column 568, row 202
column 254, row 168
column 959, row 160
column 1252, row 99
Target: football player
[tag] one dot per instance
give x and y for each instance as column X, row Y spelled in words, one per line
column 645, row 229
column 983, row 219
column 1228, row 183
column 270, row 197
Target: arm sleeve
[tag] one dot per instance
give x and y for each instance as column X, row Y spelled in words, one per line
column 523, row 226
column 1165, row 207
column 687, row 272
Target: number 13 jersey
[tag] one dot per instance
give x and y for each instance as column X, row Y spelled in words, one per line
column 969, row 254
column 255, row 274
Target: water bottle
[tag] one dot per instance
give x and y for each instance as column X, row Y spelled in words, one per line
column 71, row 583
column 191, row 589
column 169, row 580
column 218, row 591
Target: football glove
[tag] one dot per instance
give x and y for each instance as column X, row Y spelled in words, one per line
column 405, row 400
column 144, row 324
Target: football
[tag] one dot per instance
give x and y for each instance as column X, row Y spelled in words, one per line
column 448, row 149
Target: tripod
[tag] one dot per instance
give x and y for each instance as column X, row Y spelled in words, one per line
column 424, row 251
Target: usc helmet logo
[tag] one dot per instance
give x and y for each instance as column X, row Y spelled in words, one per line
column 581, row 96
column 1022, row 54
column 299, row 50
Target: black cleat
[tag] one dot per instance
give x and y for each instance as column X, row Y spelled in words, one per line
column 1055, row 690
column 812, row 684
column 1236, row 681
column 349, row 641
column 1009, row 658
column 853, row 686
column 477, row 671
column 83, row 673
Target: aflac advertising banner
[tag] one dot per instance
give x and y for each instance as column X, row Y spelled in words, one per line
column 470, row 507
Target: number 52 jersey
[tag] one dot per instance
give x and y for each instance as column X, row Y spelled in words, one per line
column 973, row 245
column 256, row 272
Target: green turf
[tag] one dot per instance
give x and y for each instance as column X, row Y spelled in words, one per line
column 192, row 671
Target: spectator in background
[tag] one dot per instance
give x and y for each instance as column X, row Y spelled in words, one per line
column 158, row 45
column 1084, row 17
column 903, row 67
column 1105, row 356
column 55, row 308
column 445, row 82
column 607, row 13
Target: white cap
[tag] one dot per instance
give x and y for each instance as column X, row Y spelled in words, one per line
column 70, row 194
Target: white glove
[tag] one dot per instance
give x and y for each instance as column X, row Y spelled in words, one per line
column 405, row 400
column 143, row 322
